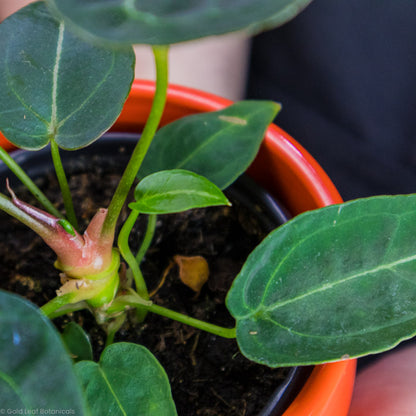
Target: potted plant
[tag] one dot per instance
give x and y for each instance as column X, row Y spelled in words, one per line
column 289, row 311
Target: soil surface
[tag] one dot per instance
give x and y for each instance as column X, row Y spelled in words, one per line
column 208, row 374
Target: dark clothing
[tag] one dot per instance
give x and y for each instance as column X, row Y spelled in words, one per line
column 345, row 73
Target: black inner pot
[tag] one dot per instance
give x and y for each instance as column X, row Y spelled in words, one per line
column 268, row 213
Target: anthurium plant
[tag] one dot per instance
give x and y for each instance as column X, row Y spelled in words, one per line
column 328, row 285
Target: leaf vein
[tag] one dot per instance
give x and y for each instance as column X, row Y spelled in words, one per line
column 93, row 92
column 388, row 266
column 54, row 111
column 112, row 391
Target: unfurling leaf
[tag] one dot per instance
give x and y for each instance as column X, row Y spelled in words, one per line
column 193, row 271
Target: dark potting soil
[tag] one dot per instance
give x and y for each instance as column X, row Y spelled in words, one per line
column 208, row 374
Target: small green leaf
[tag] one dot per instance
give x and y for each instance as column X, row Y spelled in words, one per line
column 128, row 381
column 163, row 23
column 55, row 86
column 218, row 145
column 35, row 369
column 333, row 283
column 175, row 190
column 77, row 342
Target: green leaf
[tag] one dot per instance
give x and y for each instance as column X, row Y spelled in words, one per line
column 77, row 342
column 55, row 86
column 175, row 190
column 35, row 369
column 166, row 22
column 218, row 145
column 128, row 381
column 330, row 284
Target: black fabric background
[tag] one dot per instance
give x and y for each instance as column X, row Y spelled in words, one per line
column 345, row 73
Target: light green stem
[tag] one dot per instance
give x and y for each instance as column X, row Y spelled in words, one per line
column 123, row 245
column 133, row 299
column 205, row 326
column 63, row 183
column 148, row 237
column 57, row 302
column 113, row 328
column 127, row 180
column 29, row 184
column 68, row 308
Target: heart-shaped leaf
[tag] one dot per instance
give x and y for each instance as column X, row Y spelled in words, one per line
column 175, row 190
column 333, row 283
column 35, row 369
column 163, row 23
column 218, row 145
column 55, row 86
column 128, row 381
column 77, row 342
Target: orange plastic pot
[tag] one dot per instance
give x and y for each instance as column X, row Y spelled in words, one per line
column 286, row 170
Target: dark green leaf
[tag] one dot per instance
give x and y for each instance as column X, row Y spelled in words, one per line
column 35, row 369
column 330, row 284
column 218, row 145
column 55, row 86
column 77, row 342
column 128, row 381
column 175, row 190
column 166, row 22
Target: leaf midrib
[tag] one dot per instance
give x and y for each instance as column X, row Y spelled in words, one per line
column 387, row 266
column 55, row 72
column 212, row 139
column 108, row 384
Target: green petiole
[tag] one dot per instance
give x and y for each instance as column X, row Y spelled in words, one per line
column 127, row 180
column 123, row 245
column 63, row 183
column 148, row 237
column 56, row 303
column 134, row 300
column 25, row 179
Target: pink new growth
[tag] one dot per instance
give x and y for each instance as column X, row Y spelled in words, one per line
column 78, row 255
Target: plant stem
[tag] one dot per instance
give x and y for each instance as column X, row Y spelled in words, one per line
column 24, row 178
column 63, row 183
column 123, row 245
column 113, row 328
column 57, row 302
column 127, row 180
column 133, row 299
column 205, row 326
column 68, row 308
column 148, row 237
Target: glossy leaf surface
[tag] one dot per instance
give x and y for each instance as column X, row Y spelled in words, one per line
column 171, row 21
column 218, row 145
column 128, row 381
column 35, row 369
column 175, row 190
column 77, row 342
column 55, row 86
column 330, row 284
